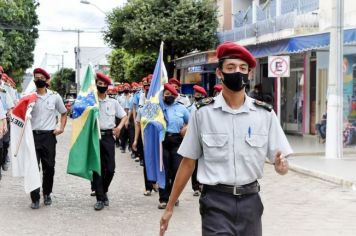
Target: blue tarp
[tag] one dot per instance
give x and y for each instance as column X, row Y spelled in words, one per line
column 299, row 44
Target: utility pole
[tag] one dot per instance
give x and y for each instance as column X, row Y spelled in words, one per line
column 334, row 145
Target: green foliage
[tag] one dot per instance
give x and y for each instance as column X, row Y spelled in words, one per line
column 61, row 79
column 126, row 67
column 18, row 32
column 183, row 25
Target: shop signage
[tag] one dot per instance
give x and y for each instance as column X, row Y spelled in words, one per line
column 278, row 66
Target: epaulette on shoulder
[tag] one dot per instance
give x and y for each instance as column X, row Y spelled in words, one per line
column 264, row 105
column 180, row 102
column 204, row 102
column 183, row 95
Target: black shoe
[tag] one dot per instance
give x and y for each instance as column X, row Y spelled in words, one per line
column 35, row 205
column 47, row 200
column 93, row 194
column 133, row 156
column 141, row 162
column 99, row 205
column 5, row 167
column 106, row 200
column 123, row 151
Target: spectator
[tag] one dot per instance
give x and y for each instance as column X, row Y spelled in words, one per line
column 256, row 93
column 321, row 127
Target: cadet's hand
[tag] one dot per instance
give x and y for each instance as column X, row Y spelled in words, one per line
column 58, row 131
column 116, row 131
column 134, row 146
column 183, row 131
column 164, row 221
column 280, row 164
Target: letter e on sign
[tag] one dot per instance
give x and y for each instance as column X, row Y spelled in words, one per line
column 278, row 66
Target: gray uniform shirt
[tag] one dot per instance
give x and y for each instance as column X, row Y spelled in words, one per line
column 183, row 99
column 45, row 111
column 109, row 108
column 231, row 145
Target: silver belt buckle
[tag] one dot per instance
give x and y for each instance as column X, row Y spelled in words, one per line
column 235, row 191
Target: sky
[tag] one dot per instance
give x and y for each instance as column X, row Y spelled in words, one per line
column 52, row 47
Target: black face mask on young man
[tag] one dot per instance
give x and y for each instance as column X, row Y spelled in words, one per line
column 197, row 99
column 40, row 83
column 169, row 100
column 235, row 81
column 102, row 89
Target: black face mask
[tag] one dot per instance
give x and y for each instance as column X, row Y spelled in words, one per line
column 169, row 99
column 40, row 83
column 126, row 91
column 197, row 99
column 235, row 81
column 102, row 89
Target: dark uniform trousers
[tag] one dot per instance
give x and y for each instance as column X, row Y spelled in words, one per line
column 171, row 162
column 6, row 142
column 107, row 160
column 141, row 155
column 124, row 136
column 195, row 182
column 45, row 145
column 227, row 214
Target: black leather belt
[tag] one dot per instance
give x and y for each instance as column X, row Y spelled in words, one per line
column 251, row 188
column 42, row 131
column 106, row 132
column 172, row 134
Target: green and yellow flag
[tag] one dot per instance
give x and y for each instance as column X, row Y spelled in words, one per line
column 84, row 155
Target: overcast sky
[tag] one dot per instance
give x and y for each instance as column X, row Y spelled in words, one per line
column 69, row 15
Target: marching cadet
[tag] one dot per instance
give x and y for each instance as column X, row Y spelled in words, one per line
column 109, row 109
column 217, row 89
column 177, row 116
column 230, row 136
column 44, row 123
column 199, row 94
column 8, row 103
column 124, row 134
column 3, row 125
column 182, row 99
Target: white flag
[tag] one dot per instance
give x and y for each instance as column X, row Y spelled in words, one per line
column 24, row 160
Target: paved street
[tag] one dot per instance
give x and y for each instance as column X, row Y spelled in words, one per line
column 294, row 205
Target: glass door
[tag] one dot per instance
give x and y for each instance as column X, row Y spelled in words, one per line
column 292, row 101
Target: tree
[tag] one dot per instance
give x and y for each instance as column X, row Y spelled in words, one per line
column 18, row 32
column 183, row 25
column 61, row 79
column 126, row 67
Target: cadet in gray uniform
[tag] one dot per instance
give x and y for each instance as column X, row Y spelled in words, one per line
column 44, row 124
column 109, row 109
column 230, row 135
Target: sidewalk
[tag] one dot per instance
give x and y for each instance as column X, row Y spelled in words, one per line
column 309, row 158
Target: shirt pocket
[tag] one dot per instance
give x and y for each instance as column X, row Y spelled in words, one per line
column 50, row 106
column 256, row 140
column 215, row 147
column 110, row 111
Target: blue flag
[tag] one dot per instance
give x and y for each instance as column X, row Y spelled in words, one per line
column 153, row 124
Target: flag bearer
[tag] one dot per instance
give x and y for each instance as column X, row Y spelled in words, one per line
column 177, row 117
column 45, row 130
column 109, row 110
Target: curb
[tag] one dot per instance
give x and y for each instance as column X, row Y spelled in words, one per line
column 323, row 176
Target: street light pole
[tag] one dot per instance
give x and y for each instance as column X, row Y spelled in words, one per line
column 334, row 144
column 90, row 3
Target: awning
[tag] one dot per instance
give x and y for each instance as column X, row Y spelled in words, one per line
column 299, row 44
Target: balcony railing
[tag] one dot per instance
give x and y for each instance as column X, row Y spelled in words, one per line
column 304, row 23
column 301, row 6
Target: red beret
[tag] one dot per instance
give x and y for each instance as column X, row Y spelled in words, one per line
column 111, row 90
column 1, row 69
column 218, row 87
column 173, row 80
column 200, row 89
column 103, row 77
column 42, row 72
column 127, row 86
column 170, row 88
column 120, row 87
column 232, row 50
column 145, row 81
column 134, row 85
